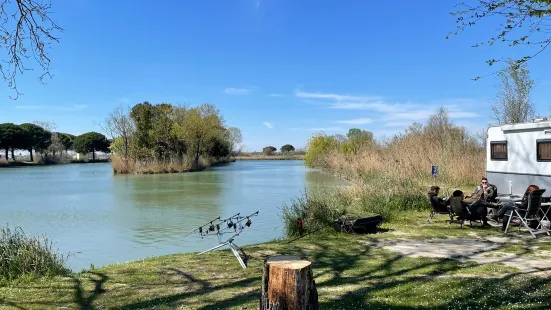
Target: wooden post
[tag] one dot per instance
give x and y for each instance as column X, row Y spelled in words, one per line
column 288, row 283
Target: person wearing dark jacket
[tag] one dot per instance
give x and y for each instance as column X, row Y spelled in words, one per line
column 507, row 209
column 437, row 203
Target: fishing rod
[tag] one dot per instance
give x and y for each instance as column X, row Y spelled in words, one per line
column 210, row 225
column 235, row 221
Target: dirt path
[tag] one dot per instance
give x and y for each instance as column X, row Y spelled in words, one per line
column 482, row 251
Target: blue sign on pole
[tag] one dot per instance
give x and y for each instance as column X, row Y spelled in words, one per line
column 434, row 170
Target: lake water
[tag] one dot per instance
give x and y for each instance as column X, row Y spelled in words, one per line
column 100, row 218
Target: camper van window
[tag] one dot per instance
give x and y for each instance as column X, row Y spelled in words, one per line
column 498, row 150
column 543, row 150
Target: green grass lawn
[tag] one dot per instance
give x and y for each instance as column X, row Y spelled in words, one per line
column 349, row 274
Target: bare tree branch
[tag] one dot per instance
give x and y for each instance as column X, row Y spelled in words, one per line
column 25, row 25
column 521, row 22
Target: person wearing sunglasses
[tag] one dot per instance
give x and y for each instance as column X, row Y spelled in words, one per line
column 478, row 200
column 479, row 192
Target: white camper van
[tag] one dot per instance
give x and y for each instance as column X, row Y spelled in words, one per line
column 518, row 155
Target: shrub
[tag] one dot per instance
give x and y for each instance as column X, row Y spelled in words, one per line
column 22, row 255
column 316, row 210
column 319, row 209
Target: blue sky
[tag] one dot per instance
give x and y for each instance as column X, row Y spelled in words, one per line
column 279, row 70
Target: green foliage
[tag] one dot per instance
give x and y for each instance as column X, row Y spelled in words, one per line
column 22, row 256
column 318, row 146
column 164, row 135
column 316, row 209
column 269, row 150
column 356, row 139
column 513, row 102
column 66, row 140
column 287, row 148
column 91, row 142
column 37, row 138
column 11, row 136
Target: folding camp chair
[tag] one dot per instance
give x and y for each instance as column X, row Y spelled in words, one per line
column 531, row 213
column 462, row 213
column 435, row 211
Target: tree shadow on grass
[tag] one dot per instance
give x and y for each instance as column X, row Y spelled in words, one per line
column 86, row 302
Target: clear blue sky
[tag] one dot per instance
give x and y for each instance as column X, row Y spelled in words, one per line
column 279, row 70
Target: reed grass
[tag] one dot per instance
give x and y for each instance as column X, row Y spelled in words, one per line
column 175, row 165
column 28, row 256
column 390, row 177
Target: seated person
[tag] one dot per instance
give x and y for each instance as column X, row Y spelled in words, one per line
column 508, row 206
column 438, row 204
column 485, row 192
column 470, row 211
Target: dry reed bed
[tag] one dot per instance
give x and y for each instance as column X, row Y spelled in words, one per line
column 122, row 166
column 406, row 161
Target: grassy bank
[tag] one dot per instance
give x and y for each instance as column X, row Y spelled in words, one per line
column 350, row 271
column 273, row 156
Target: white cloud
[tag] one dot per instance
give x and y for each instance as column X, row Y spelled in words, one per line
column 357, row 121
column 268, row 124
column 237, row 91
column 276, row 95
column 336, row 97
column 29, row 107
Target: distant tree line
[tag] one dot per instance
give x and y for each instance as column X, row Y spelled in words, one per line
column 284, row 149
column 158, row 134
column 35, row 138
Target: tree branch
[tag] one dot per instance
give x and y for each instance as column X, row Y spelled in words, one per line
column 34, row 31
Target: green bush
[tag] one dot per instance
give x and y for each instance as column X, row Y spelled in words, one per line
column 22, row 255
column 316, row 210
column 318, row 147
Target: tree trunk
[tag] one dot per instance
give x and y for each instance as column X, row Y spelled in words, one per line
column 7, row 157
column 31, row 153
column 288, row 283
column 12, row 155
column 93, row 155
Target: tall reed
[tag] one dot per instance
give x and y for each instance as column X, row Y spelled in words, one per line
column 22, row 255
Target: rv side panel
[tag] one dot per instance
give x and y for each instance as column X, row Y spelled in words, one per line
column 519, row 164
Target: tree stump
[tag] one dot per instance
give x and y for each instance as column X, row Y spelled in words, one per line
column 288, row 283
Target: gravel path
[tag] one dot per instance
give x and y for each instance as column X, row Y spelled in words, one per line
column 482, row 251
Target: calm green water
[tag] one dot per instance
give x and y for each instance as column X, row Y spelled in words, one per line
column 101, row 219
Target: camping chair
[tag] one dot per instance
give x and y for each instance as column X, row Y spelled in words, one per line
column 435, row 211
column 462, row 213
column 531, row 213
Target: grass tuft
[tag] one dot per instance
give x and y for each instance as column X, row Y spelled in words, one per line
column 27, row 256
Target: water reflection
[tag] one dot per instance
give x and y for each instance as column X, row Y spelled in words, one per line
column 103, row 219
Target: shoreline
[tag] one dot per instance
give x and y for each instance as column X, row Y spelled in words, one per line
column 14, row 164
column 342, row 263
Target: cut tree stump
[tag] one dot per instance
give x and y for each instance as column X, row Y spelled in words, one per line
column 288, row 283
